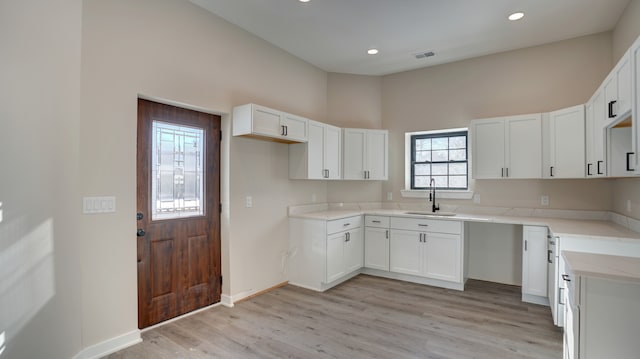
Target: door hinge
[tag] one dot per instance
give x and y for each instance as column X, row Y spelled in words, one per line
column 221, row 280
column 220, row 135
column 220, row 207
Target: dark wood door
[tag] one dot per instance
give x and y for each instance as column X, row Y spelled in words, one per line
column 178, row 201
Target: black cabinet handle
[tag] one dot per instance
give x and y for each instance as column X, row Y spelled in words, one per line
column 551, row 171
column 611, row 114
column 507, row 171
column 549, row 256
column 589, row 169
column 598, row 167
column 629, row 161
column 387, row 234
column 502, row 173
column 566, row 278
column 282, row 132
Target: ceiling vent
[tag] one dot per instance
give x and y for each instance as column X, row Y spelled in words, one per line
column 424, row 55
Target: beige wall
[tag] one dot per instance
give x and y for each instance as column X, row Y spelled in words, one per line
column 174, row 50
column 537, row 79
column 39, row 115
column 627, row 30
column 628, row 189
column 354, row 101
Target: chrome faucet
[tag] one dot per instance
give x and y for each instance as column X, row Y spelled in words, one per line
column 432, row 196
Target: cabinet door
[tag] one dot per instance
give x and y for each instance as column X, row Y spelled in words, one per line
column 534, row 261
column 635, row 92
column 610, row 96
column 333, row 151
column 623, row 76
column 566, row 142
column 441, row 257
column 523, row 150
column 376, row 248
column 335, row 256
column 353, row 159
column 597, row 139
column 296, row 127
column 267, row 121
column 354, row 250
column 315, row 148
column 405, row 252
column 377, row 149
column 488, row 148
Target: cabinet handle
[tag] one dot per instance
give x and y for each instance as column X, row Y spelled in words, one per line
column 525, row 245
column 346, row 224
column 551, row 171
column 599, row 162
column 347, row 237
column 386, row 234
column 286, row 130
column 560, row 289
column 282, row 132
column 566, row 278
column 549, row 256
column 507, row 171
column 420, row 237
column 376, row 221
column 629, row 161
column 611, row 114
column 589, row 169
column 502, row 173
column 422, row 225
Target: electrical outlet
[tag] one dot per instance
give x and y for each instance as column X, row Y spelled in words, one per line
column 544, row 200
column 476, row 198
column 389, row 196
column 249, row 202
column 628, row 206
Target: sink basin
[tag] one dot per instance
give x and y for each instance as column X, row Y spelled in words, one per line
column 445, row 214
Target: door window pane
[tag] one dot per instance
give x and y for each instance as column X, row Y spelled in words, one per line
column 177, row 179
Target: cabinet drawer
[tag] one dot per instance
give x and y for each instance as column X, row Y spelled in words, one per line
column 376, row 221
column 426, row 225
column 344, row 224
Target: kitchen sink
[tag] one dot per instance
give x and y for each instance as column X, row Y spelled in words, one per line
column 424, row 213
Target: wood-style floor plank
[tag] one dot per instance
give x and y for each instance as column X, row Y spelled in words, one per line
column 366, row 317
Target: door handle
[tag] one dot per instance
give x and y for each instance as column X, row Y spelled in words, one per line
column 140, row 232
column 139, row 216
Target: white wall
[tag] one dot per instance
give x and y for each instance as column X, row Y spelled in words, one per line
column 174, row 50
column 39, row 115
column 537, row 79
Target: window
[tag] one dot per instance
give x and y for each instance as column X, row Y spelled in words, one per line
column 440, row 156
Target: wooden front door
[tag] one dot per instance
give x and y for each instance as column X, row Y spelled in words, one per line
column 178, row 201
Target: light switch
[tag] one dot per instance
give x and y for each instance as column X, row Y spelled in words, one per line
column 94, row 205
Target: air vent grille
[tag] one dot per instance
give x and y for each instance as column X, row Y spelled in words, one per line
column 423, row 55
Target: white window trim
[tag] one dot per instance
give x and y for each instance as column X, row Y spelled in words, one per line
column 407, row 192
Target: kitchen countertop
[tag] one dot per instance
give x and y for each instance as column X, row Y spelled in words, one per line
column 603, row 266
column 559, row 226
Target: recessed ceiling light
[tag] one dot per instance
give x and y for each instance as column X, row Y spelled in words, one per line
column 303, row 0
column 372, row 51
column 516, row 16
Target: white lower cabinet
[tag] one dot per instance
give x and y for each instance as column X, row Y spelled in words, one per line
column 324, row 253
column 425, row 253
column 376, row 248
column 602, row 319
column 534, row 264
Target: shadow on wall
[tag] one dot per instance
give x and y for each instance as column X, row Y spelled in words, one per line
column 26, row 274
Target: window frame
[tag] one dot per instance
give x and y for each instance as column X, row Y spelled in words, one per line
column 413, row 137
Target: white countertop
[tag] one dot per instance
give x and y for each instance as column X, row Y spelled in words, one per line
column 559, row 226
column 603, row 266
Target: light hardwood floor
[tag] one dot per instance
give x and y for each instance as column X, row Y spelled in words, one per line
column 366, row 317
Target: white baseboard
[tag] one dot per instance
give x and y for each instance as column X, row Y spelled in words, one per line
column 110, row 346
column 226, row 300
column 535, row 299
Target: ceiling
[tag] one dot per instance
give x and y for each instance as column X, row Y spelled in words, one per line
column 334, row 35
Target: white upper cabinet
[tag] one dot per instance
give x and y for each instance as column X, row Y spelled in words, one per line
column 261, row 122
column 595, row 134
column 507, row 147
column 565, row 154
column 634, row 54
column 365, row 154
column 320, row 157
column 617, row 90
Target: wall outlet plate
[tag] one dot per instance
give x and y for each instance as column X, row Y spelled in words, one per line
column 476, row 198
column 389, row 196
column 544, row 200
column 249, row 202
column 95, row 205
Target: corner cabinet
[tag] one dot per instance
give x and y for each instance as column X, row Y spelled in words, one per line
column 257, row 121
column 565, row 154
column 320, row 157
column 534, row 265
column 365, row 154
column 507, row 147
column 324, row 253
